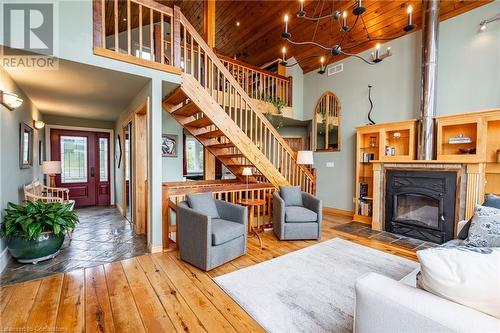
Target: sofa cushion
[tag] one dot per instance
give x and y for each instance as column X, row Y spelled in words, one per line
column 224, row 231
column 203, row 203
column 295, row 214
column 484, row 230
column 491, row 200
column 292, row 195
column 465, row 275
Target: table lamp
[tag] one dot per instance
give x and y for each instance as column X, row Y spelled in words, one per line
column 247, row 171
column 51, row 168
column 305, row 157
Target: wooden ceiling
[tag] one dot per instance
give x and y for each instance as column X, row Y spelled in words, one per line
column 258, row 38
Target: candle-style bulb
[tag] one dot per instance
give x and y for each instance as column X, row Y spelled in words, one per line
column 285, row 34
column 345, row 27
column 286, row 18
column 322, row 68
column 301, row 12
column 377, row 46
column 410, row 9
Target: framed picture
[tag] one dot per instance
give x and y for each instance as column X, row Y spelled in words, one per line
column 118, row 150
column 25, row 146
column 169, row 145
column 40, row 152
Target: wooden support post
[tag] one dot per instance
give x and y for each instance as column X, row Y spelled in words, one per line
column 98, row 23
column 209, row 22
column 209, row 36
column 176, row 47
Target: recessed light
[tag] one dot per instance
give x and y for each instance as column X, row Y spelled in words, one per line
column 237, row 23
column 124, row 19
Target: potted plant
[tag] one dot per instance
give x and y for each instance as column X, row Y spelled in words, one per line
column 35, row 230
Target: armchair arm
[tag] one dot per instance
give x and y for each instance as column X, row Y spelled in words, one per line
column 195, row 233
column 232, row 212
column 278, row 215
column 312, row 203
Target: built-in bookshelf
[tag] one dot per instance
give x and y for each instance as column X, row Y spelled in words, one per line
column 388, row 141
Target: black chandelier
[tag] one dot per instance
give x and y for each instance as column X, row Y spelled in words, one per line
column 342, row 20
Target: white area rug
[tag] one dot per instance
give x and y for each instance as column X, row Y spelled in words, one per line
column 310, row 290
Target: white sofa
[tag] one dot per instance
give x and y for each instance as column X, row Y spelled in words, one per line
column 384, row 305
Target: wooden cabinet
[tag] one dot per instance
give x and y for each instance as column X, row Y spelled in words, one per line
column 384, row 142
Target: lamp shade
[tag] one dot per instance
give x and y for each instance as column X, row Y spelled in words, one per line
column 51, row 167
column 247, row 171
column 305, row 157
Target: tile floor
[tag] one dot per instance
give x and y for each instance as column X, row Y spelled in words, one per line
column 102, row 236
column 364, row 230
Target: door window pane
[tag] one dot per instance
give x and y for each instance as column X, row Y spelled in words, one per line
column 194, row 156
column 73, row 159
column 103, row 159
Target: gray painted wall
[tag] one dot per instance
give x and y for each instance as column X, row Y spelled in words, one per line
column 172, row 166
column 468, row 80
column 12, row 178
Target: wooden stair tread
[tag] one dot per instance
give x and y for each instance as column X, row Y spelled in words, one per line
column 222, row 145
column 231, row 156
column 245, row 165
column 176, row 97
column 211, row 134
column 199, row 123
column 187, row 110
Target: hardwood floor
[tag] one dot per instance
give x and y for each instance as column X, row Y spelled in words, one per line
column 150, row 293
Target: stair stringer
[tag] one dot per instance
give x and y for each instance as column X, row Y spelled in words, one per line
column 211, row 109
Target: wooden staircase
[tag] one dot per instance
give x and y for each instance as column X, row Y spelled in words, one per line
column 213, row 107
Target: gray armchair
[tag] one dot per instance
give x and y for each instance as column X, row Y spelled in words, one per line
column 296, row 214
column 211, row 232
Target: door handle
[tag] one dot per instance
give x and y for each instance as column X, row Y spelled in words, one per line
column 92, row 172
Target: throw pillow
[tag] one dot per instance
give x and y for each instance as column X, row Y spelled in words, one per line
column 484, row 229
column 203, row 203
column 492, row 200
column 465, row 275
column 292, row 195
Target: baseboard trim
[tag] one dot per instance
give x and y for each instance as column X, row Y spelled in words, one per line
column 155, row 248
column 120, row 209
column 4, row 259
column 337, row 211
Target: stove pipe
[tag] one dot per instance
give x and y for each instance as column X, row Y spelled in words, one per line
column 430, row 32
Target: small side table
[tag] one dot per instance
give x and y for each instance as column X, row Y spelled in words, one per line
column 251, row 204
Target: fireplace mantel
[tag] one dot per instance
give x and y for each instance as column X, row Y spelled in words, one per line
column 470, row 189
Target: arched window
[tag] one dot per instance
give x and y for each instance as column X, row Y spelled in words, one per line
column 326, row 123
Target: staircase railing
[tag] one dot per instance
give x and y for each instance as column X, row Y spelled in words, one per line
column 259, row 83
column 200, row 61
column 136, row 29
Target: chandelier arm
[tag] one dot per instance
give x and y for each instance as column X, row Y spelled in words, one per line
column 357, row 56
column 380, row 39
column 315, row 18
column 303, row 59
column 308, row 43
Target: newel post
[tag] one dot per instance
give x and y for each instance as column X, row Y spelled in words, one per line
column 98, row 23
column 177, row 36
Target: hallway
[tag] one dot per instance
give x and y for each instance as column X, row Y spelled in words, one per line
column 101, row 237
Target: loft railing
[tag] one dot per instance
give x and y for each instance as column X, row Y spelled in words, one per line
column 137, row 27
column 227, row 190
column 259, row 83
column 132, row 30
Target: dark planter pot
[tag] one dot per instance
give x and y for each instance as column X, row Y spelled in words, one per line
column 32, row 251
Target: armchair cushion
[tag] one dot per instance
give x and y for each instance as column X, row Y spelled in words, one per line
column 224, row 231
column 292, row 195
column 295, row 214
column 203, row 203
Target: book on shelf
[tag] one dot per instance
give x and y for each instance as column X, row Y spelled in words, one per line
column 365, row 208
column 363, row 189
column 367, row 157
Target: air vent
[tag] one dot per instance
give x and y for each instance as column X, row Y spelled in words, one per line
column 335, row 69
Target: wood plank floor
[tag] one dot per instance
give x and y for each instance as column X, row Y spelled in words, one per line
column 151, row 293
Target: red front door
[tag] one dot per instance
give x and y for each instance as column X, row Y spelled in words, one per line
column 84, row 159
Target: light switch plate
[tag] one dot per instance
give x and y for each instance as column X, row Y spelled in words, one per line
column 330, row 164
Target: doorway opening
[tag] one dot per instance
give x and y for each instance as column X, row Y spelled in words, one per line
column 85, row 165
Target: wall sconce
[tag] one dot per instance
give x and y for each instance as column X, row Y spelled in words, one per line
column 38, row 124
column 10, row 100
